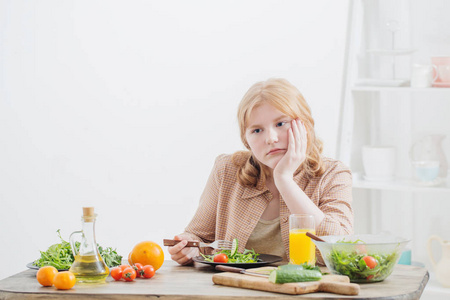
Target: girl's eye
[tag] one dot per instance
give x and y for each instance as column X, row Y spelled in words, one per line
column 256, row 131
column 279, row 124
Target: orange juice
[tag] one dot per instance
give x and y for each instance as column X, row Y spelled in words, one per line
column 301, row 248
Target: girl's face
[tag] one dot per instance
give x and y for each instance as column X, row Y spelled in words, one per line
column 267, row 134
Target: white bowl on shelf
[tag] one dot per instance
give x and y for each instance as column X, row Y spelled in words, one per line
column 426, row 172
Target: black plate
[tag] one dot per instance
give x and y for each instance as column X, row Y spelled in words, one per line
column 32, row 266
column 263, row 259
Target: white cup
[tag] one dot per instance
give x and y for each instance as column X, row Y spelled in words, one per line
column 422, row 75
column 378, row 162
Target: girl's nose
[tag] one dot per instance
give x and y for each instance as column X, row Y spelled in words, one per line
column 272, row 137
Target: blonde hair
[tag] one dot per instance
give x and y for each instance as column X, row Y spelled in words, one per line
column 285, row 97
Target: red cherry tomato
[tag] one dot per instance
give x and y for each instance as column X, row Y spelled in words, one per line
column 370, row 261
column 149, row 271
column 129, row 274
column 138, row 268
column 123, row 267
column 221, row 258
column 116, row 273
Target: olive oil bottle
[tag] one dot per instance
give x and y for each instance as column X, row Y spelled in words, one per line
column 88, row 266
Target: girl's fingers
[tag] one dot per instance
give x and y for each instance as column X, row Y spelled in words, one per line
column 187, row 259
column 296, row 128
column 182, row 254
column 304, row 138
column 178, row 247
column 184, row 260
column 185, row 255
column 292, row 147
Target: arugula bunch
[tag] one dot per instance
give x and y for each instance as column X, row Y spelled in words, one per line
column 61, row 257
column 249, row 256
column 110, row 256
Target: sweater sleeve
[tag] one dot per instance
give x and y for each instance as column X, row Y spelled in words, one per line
column 335, row 201
column 202, row 227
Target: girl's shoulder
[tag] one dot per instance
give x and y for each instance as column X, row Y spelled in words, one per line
column 235, row 160
column 226, row 169
column 335, row 171
column 332, row 165
column 227, row 162
column 224, row 160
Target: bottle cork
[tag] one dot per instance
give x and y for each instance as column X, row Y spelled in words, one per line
column 88, row 211
column 88, row 214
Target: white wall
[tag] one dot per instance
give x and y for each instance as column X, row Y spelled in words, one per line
column 124, row 105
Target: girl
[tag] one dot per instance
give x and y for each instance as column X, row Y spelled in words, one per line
column 250, row 194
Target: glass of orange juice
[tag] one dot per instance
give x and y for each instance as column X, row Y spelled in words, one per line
column 301, row 248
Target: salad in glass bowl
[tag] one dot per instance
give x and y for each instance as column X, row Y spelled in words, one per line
column 362, row 257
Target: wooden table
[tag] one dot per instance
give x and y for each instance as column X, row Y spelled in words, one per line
column 179, row 282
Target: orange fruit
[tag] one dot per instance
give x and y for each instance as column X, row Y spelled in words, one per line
column 147, row 253
column 46, row 275
column 64, row 280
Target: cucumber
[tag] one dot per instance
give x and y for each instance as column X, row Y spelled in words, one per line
column 291, row 267
column 234, row 248
column 285, row 275
column 294, row 267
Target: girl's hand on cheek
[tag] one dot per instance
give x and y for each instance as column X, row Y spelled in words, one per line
column 296, row 151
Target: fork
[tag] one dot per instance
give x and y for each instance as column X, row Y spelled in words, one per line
column 218, row 245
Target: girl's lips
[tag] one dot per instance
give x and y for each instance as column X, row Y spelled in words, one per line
column 275, row 151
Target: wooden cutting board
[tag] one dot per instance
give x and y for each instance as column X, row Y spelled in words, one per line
column 336, row 284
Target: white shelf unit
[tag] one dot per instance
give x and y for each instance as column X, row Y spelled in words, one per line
column 396, row 116
column 401, row 185
column 400, row 89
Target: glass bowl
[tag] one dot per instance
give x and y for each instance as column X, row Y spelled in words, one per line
column 362, row 257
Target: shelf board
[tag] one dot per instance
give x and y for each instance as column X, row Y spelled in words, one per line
column 399, row 89
column 399, row 185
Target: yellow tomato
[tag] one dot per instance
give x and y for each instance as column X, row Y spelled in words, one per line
column 64, row 280
column 46, row 275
